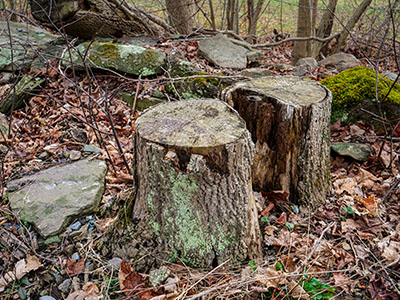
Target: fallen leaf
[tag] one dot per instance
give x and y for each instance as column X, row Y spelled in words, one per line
column 282, row 219
column 270, row 277
column 265, row 212
column 274, row 196
column 75, row 267
column 342, row 281
column 296, row 291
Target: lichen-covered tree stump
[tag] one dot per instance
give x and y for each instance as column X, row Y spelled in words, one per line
column 194, row 195
column 288, row 118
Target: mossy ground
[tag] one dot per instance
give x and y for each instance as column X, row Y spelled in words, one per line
column 354, row 86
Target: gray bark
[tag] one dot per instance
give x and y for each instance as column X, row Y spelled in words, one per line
column 288, row 119
column 194, row 200
column 180, row 15
column 104, row 18
column 302, row 49
column 341, row 41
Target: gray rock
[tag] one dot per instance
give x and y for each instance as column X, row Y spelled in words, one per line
column 170, row 285
column 144, row 103
column 65, row 286
column 23, row 92
column 75, row 226
column 254, row 55
column 23, row 35
column 390, row 75
column 115, row 262
column 47, row 298
column 6, row 77
column 359, row 152
column 283, row 67
column 256, row 72
column 51, row 198
column 178, row 67
column 305, row 65
column 131, row 59
column 340, row 61
column 75, row 256
column 221, row 52
column 91, row 149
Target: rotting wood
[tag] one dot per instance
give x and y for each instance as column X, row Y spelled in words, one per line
column 288, row 118
column 193, row 199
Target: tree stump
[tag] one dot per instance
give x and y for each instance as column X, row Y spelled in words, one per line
column 194, row 195
column 288, row 118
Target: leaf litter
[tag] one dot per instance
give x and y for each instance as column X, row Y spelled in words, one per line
column 347, row 248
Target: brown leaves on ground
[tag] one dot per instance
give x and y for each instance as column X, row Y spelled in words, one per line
column 134, row 284
column 75, row 267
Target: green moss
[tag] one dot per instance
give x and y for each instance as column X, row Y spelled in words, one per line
column 353, row 86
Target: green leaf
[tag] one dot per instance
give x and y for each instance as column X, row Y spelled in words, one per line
column 349, row 210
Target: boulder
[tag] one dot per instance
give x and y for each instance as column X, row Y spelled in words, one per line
column 340, row 61
column 221, row 52
column 52, row 198
column 256, row 72
column 23, row 91
column 24, row 36
column 354, row 93
column 129, row 59
column 305, row 65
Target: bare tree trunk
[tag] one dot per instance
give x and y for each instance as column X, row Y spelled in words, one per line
column 13, row 7
column 303, row 48
column 106, row 18
column 350, row 26
column 253, row 14
column 314, row 16
column 232, row 15
column 212, row 15
column 325, row 28
column 180, row 15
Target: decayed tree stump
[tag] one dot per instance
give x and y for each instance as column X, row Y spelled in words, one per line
column 194, row 199
column 288, row 118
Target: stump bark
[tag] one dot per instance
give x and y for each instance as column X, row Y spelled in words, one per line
column 194, row 198
column 103, row 18
column 288, row 118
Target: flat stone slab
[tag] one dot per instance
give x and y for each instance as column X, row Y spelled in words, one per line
column 27, row 39
column 130, row 59
column 359, row 152
column 221, row 52
column 52, row 198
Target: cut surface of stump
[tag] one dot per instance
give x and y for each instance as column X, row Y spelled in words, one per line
column 194, row 200
column 288, row 118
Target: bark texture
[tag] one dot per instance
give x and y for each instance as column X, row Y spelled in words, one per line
column 180, row 15
column 302, row 49
column 103, row 18
column 288, row 119
column 194, row 199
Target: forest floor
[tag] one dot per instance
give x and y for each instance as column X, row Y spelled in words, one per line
column 347, row 249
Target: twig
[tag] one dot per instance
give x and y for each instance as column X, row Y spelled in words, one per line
column 314, row 248
column 390, row 191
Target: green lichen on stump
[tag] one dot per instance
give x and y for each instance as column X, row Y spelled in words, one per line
column 356, row 87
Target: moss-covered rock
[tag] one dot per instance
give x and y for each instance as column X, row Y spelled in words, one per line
column 354, row 89
column 131, row 59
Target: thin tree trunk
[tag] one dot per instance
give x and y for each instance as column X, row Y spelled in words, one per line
column 324, row 29
column 314, row 16
column 341, row 41
column 180, row 15
column 214, row 27
column 302, row 49
column 253, row 16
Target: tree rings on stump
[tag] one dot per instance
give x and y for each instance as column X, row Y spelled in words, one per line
column 288, row 118
column 192, row 168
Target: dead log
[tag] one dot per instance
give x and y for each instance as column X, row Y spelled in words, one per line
column 194, row 200
column 288, row 119
column 102, row 18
